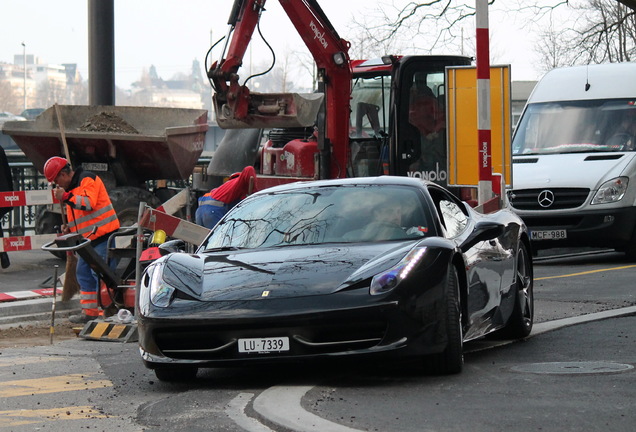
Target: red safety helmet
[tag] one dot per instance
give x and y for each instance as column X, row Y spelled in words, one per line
column 53, row 166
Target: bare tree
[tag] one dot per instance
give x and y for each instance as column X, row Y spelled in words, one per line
column 437, row 22
column 48, row 93
column 629, row 3
column 607, row 33
column 9, row 100
column 599, row 30
column 554, row 49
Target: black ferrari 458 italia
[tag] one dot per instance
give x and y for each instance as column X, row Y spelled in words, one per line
column 383, row 266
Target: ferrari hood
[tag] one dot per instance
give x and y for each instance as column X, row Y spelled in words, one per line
column 279, row 272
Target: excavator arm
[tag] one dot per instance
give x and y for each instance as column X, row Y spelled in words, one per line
column 237, row 107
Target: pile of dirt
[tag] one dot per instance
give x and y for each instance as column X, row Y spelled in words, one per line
column 38, row 334
column 107, row 122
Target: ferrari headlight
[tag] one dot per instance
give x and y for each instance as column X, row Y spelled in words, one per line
column 611, row 191
column 389, row 279
column 161, row 293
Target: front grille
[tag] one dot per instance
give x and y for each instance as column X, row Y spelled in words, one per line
column 563, row 198
column 215, row 343
column 568, row 222
column 525, row 161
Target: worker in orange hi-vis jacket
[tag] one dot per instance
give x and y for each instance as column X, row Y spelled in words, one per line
column 214, row 204
column 90, row 213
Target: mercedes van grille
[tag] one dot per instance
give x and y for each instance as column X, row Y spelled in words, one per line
column 559, row 198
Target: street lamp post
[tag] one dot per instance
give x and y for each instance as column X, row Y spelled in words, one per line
column 24, row 63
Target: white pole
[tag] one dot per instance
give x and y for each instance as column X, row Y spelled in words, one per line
column 24, row 65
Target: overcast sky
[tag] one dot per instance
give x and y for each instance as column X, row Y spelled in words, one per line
column 170, row 34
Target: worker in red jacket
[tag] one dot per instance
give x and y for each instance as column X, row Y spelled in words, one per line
column 90, row 213
column 214, row 204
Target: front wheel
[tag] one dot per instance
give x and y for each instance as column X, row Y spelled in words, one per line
column 451, row 360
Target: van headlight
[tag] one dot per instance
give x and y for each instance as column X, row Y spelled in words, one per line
column 611, row 191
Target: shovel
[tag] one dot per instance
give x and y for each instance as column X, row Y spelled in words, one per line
column 71, row 286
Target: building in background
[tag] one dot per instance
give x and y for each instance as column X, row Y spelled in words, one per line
column 520, row 92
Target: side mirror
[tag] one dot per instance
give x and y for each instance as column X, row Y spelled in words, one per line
column 172, row 246
column 484, row 230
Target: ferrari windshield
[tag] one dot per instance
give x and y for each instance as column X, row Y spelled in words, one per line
column 344, row 213
column 578, row 126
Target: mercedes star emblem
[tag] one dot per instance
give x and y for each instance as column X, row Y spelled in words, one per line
column 546, row 198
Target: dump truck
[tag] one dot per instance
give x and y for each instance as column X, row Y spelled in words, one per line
column 126, row 146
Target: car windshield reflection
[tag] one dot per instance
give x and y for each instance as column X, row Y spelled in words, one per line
column 351, row 213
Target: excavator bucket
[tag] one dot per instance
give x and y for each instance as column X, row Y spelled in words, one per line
column 272, row 110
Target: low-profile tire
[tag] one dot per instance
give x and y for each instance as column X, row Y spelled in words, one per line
column 176, row 373
column 126, row 201
column 451, row 360
column 520, row 322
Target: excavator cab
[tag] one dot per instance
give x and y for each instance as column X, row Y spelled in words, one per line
column 420, row 148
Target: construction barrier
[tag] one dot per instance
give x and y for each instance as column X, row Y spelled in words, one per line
column 25, row 243
column 109, row 331
column 21, row 199
column 26, row 295
column 44, row 197
column 155, row 219
column 27, row 198
column 175, row 203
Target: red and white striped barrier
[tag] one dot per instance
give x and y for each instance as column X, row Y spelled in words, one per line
column 189, row 232
column 21, row 199
column 24, row 295
column 26, row 198
column 186, row 232
column 175, row 203
column 25, row 243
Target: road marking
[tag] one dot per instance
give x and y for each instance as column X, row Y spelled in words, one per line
column 586, row 273
column 281, row 404
column 28, row 416
column 236, row 411
column 54, row 384
column 19, row 361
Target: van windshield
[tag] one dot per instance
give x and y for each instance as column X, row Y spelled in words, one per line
column 576, row 127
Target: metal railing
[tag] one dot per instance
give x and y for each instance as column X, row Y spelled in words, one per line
column 21, row 220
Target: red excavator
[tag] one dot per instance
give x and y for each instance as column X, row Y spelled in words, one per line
column 367, row 118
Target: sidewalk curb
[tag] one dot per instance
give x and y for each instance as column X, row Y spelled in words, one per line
column 544, row 327
column 27, row 311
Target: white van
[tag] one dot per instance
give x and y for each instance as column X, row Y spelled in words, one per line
column 574, row 159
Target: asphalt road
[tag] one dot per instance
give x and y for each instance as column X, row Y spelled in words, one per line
column 568, row 376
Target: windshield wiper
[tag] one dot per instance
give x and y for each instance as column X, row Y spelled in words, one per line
column 223, row 248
